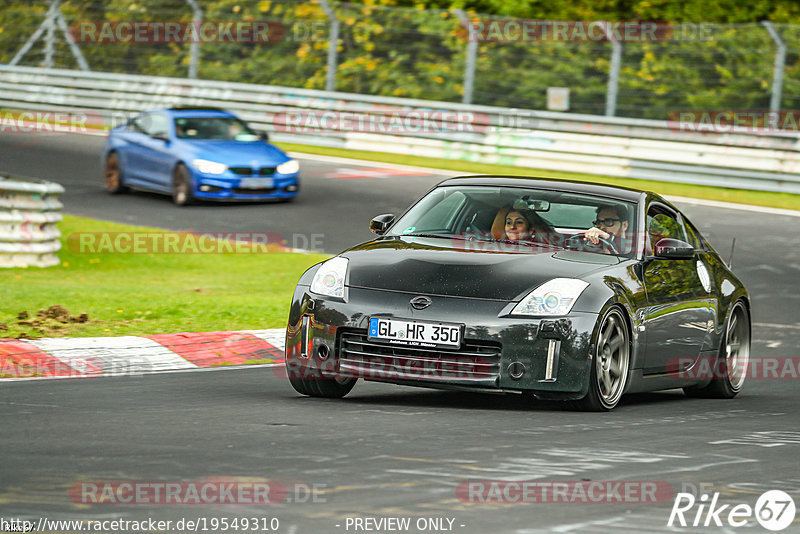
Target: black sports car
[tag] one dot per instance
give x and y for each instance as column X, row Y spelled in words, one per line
column 563, row 290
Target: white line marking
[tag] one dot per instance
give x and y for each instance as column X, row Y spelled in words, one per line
column 140, row 373
column 375, row 164
column 776, row 325
column 734, row 206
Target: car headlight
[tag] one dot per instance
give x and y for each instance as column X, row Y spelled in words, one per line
column 209, row 167
column 288, row 167
column 329, row 280
column 554, row 297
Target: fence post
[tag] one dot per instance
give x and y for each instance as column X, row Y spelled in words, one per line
column 50, row 36
column 73, row 46
column 780, row 62
column 33, row 38
column 194, row 49
column 613, row 73
column 472, row 53
column 333, row 46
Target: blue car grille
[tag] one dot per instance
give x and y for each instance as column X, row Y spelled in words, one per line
column 476, row 363
column 248, row 171
column 262, row 191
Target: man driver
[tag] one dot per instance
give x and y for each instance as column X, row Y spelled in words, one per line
column 612, row 225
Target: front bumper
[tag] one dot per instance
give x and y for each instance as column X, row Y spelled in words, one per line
column 224, row 187
column 550, row 357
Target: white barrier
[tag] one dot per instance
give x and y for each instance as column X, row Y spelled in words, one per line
column 610, row 146
column 29, row 212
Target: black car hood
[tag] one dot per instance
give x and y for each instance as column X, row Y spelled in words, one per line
column 435, row 266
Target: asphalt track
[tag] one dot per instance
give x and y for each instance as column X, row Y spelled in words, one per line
column 387, row 451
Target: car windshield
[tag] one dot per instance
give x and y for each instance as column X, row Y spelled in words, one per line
column 485, row 212
column 220, row 128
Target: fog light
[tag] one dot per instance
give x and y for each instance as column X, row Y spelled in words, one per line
column 205, row 188
column 290, row 188
column 516, row 370
column 323, row 352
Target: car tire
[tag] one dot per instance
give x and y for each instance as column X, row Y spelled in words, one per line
column 610, row 364
column 182, row 186
column 115, row 183
column 314, row 384
column 730, row 368
column 300, row 386
column 331, row 388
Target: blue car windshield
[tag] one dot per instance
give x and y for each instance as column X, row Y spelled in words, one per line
column 219, row 128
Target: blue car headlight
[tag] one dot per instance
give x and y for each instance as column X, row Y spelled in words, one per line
column 288, row 167
column 329, row 280
column 554, row 297
column 209, row 167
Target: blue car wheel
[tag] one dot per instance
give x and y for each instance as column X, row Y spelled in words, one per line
column 182, row 194
column 115, row 183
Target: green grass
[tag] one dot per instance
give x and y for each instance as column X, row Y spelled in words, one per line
column 134, row 294
column 741, row 196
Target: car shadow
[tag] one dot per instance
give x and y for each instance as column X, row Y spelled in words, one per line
column 203, row 203
column 494, row 402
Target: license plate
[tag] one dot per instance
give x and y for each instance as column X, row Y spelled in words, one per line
column 415, row 333
column 256, row 183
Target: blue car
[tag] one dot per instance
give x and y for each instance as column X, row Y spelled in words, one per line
column 197, row 154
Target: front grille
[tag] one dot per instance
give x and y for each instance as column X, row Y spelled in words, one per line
column 476, row 363
column 249, row 171
column 262, row 191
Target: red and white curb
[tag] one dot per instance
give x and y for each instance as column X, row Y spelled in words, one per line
column 112, row 356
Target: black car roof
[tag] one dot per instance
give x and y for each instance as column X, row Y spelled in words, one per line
column 611, row 191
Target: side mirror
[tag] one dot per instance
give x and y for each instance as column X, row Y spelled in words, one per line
column 264, row 136
column 673, row 249
column 381, row 223
column 161, row 136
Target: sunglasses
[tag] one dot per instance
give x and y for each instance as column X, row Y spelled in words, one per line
column 608, row 221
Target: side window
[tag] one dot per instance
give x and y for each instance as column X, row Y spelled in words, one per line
column 151, row 124
column 159, row 125
column 138, row 125
column 661, row 224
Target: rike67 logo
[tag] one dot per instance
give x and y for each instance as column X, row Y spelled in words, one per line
column 774, row 510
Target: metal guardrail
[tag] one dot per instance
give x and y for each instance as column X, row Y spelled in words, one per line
column 627, row 148
column 29, row 213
